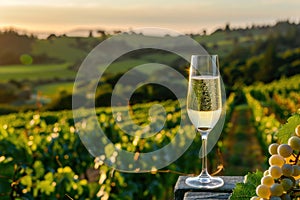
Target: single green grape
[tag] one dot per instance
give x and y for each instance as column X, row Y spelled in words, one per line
column 285, row 150
column 292, row 179
column 267, row 180
column 296, row 170
column 287, row 170
column 287, row 184
column 294, row 142
column 275, row 171
column 273, row 148
column 297, row 130
column 276, row 160
column 276, row 190
column 263, row 191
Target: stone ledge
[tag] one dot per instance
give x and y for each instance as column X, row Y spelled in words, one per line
column 184, row 192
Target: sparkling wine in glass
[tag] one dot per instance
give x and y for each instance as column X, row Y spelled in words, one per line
column 204, row 107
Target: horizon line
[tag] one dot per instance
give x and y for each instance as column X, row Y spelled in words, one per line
column 111, row 30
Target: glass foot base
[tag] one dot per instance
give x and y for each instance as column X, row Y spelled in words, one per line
column 206, row 182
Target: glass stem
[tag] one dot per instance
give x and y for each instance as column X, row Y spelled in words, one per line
column 204, row 173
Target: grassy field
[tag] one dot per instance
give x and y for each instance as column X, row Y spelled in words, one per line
column 68, row 49
column 125, row 65
column 35, row 72
column 52, row 89
column 122, row 66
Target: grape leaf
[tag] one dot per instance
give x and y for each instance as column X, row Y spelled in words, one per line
column 288, row 129
column 247, row 189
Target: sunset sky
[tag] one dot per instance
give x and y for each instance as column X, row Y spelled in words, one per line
column 61, row 16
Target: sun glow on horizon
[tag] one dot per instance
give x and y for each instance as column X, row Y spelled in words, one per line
column 190, row 16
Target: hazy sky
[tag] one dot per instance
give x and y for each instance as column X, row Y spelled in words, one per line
column 59, row 16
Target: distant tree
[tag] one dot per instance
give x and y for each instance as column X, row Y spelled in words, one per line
column 227, row 27
column 102, row 33
column 103, row 95
column 239, row 52
column 91, row 34
column 269, row 64
column 117, row 32
column 51, row 36
column 63, row 101
column 218, row 30
column 251, row 68
column 8, row 58
column 13, row 46
column 7, row 92
column 32, row 36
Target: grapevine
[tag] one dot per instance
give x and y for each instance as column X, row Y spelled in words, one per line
column 282, row 179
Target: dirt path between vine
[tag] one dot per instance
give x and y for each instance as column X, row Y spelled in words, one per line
column 242, row 150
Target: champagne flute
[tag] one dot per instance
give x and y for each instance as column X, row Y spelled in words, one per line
column 204, row 107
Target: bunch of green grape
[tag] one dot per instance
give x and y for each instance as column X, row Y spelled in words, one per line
column 282, row 180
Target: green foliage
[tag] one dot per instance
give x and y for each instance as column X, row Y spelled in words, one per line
column 274, row 53
column 281, row 96
column 63, row 101
column 271, row 58
column 44, row 158
column 269, row 64
column 288, row 130
column 66, row 49
column 272, row 104
column 41, row 157
column 7, row 92
column 246, row 190
column 28, row 141
column 35, row 158
column 51, row 89
column 266, row 124
column 15, row 46
column 35, row 72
